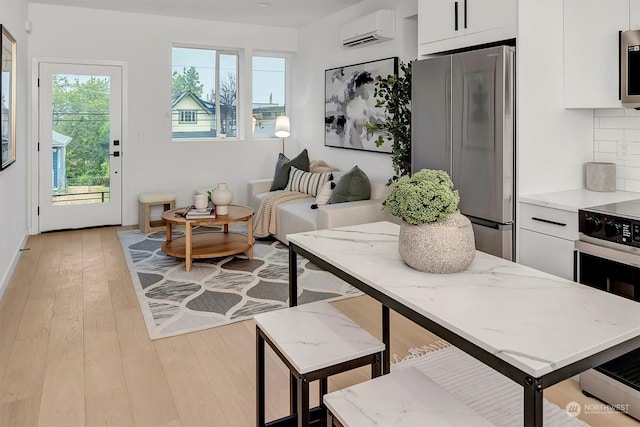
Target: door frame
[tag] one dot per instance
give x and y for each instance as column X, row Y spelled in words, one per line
column 33, row 156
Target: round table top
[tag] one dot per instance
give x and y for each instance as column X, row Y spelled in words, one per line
column 237, row 213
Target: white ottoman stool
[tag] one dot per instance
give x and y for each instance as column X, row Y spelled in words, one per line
column 154, row 198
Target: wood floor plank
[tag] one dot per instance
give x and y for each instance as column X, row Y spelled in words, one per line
column 132, row 332
column 63, row 401
column 67, row 339
column 36, row 319
column 149, row 394
column 25, row 370
column 194, row 397
column 20, row 413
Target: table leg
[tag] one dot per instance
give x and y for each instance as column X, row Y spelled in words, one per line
column 169, row 231
column 386, row 339
column 250, row 236
column 260, row 382
column 225, row 227
column 187, row 246
column 533, row 402
column 293, row 278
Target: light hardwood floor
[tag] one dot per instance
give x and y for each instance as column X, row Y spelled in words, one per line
column 74, row 349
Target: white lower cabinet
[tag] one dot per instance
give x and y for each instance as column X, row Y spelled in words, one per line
column 547, row 239
column 547, row 253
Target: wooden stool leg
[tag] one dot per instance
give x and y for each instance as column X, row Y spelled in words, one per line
column 260, row 386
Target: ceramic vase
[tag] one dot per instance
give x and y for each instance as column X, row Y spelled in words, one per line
column 201, row 202
column 221, row 198
column 446, row 246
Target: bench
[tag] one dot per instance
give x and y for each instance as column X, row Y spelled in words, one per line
column 314, row 341
column 405, row 397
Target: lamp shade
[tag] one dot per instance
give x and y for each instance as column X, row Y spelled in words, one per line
column 283, row 127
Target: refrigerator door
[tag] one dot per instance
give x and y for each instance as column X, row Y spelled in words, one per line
column 431, row 114
column 494, row 239
column 483, row 133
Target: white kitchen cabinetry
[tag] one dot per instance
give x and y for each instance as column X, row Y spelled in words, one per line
column 547, row 237
column 453, row 24
column 591, row 70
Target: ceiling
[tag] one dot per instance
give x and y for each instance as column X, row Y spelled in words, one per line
column 287, row 13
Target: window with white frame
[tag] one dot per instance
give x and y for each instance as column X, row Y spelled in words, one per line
column 204, row 93
column 269, row 93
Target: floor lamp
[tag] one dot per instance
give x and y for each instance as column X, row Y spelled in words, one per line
column 283, row 128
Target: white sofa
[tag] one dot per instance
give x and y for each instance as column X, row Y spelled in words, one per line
column 296, row 216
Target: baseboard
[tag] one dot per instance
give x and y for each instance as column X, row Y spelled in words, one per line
column 14, row 262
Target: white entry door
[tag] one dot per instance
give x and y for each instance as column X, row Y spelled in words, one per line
column 80, row 146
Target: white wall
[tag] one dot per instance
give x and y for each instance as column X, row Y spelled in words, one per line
column 13, row 180
column 143, row 43
column 617, row 130
column 553, row 142
column 320, row 50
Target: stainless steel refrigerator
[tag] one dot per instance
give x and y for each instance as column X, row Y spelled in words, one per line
column 463, row 122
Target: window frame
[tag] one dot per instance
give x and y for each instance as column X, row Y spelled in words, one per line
column 287, row 87
column 218, row 51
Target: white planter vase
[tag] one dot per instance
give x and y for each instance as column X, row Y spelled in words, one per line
column 446, row 246
column 221, row 198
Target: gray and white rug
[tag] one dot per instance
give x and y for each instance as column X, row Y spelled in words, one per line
column 217, row 291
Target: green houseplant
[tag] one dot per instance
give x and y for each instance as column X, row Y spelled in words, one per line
column 434, row 236
column 393, row 93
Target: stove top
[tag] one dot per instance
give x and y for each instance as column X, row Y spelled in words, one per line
column 628, row 210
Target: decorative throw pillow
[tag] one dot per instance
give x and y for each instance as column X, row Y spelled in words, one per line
column 317, row 166
column 324, row 194
column 281, row 175
column 307, row 182
column 353, row 185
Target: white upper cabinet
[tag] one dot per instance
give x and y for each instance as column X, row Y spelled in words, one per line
column 454, row 24
column 591, row 51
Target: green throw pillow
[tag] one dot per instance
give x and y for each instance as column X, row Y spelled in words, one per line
column 353, row 185
column 283, row 165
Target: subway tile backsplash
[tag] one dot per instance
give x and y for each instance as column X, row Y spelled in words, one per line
column 616, row 139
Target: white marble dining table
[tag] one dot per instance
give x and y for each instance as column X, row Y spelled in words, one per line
column 533, row 327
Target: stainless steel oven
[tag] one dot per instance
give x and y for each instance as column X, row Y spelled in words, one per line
column 608, row 258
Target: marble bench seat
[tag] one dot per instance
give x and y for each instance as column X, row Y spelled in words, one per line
column 405, row 397
column 315, row 341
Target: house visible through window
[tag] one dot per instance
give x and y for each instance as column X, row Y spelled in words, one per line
column 269, row 82
column 204, row 101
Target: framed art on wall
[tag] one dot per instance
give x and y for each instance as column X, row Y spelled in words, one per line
column 8, row 98
column 349, row 104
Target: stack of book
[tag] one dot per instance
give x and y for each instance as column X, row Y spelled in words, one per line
column 201, row 214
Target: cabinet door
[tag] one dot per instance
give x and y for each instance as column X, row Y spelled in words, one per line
column 591, row 71
column 487, row 15
column 546, row 253
column 437, row 20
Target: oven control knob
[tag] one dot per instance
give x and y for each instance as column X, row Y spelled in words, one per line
column 592, row 224
column 612, row 228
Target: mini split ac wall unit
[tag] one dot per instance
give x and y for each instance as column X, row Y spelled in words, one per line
column 372, row 28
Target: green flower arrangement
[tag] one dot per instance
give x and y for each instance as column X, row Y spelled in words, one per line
column 428, row 196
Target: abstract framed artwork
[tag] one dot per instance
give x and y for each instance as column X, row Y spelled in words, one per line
column 8, row 98
column 349, row 104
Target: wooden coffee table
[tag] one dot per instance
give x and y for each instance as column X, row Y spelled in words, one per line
column 211, row 244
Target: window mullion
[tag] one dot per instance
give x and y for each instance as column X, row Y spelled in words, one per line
column 217, row 97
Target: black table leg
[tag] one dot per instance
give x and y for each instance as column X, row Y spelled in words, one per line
column 386, row 339
column 260, row 386
column 533, row 402
column 293, row 278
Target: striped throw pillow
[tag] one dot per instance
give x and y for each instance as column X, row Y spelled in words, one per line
column 307, row 182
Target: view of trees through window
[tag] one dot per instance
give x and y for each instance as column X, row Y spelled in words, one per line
column 81, row 126
column 205, row 82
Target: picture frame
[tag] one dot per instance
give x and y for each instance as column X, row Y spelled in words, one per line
column 349, row 104
column 8, row 99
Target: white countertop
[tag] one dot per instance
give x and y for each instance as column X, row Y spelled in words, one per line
column 572, row 200
column 532, row 320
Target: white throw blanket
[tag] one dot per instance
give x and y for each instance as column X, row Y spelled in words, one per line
column 266, row 218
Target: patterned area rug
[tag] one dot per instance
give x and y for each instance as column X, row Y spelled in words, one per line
column 217, row 291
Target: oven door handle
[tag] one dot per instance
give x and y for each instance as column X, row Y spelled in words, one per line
column 629, row 255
